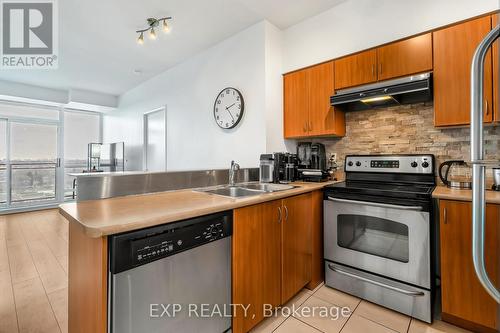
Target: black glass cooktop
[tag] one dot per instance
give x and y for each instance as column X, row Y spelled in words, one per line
column 401, row 190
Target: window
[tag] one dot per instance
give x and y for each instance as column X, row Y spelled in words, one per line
column 33, row 157
column 30, row 152
column 80, row 129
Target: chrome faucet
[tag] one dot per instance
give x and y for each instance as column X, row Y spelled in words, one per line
column 234, row 167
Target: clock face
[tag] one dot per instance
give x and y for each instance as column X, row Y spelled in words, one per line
column 228, row 108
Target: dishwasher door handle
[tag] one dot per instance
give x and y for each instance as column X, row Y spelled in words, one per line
column 377, row 204
column 377, row 283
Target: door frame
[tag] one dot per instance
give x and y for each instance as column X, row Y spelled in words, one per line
column 145, row 135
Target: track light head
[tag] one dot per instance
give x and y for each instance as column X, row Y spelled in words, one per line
column 166, row 27
column 140, row 39
column 152, row 33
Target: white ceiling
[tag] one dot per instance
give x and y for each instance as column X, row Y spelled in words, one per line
column 98, row 51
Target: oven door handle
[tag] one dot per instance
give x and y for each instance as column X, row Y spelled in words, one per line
column 376, row 204
column 377, row 283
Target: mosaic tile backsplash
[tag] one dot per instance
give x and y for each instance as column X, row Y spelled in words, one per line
column 406, row 129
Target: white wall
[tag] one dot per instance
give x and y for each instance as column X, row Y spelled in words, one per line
column 356, row 25
column 274, row 86
column 253, row 61
column 194, row 141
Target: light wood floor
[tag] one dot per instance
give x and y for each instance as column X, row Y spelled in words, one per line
column 33, row 272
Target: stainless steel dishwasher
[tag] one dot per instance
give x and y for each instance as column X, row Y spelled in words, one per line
column 172, row 278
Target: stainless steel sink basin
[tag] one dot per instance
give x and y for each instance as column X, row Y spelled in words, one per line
column 234, row 191
column 267, row 187
column 245, row 190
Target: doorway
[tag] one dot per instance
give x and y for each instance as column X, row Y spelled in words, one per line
column 155, row 140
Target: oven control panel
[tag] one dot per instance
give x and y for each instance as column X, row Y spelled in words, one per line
column 416, row 164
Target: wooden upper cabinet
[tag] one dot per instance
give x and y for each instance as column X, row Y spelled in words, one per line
column 307, row 110
column 463, row 297
column 496, row 73
column 453, row 50
column 324, row 119
column 296, row 245
column 410, row 56
column 356, row 69
column 296, row 104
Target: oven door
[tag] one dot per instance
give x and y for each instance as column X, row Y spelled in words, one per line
column 390, row 240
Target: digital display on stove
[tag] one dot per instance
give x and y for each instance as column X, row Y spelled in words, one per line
column 385, row 164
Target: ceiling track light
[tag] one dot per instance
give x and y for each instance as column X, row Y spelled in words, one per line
column 153, row 23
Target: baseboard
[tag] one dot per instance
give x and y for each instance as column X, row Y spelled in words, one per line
column 468, row 325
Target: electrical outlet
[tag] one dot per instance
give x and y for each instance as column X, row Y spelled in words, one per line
column 333, row 157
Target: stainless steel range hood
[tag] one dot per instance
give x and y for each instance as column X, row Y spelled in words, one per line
column 406, row 90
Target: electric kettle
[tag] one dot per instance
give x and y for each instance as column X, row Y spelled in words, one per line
column 458, row 174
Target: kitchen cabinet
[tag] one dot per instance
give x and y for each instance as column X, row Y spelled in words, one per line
column 464, row 300
column 271, row 255
column 296, row 245
column 406, row 57
column 256, row 261
column 307, row 110
column 453, row 50
column 356, row 69
column 317, row 263
column 296, row 104
column 496, row 73
column 324, row 119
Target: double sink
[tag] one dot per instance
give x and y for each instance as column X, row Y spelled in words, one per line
column 245, row 190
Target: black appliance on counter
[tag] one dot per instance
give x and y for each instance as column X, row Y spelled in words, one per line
column 285, row 167
column 278, row 168
column 311, row 161
column 379, row 232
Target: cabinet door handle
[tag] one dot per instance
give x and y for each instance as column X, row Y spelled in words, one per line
column 380, row 69
column 445, row 216
column 305, row 126
column 487, row 109
column 279, row 215
column 286, row 213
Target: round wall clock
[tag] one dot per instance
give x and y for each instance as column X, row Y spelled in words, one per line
column 228, row 108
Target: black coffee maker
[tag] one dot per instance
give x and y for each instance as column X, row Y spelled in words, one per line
column 311, row 160
column 285, row 167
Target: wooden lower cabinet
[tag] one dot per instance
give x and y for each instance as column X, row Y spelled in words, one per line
column 296, row 245
column 87, row 282
column 256, row 258
column 464, row 300
column 271, row 247
column 317, row 263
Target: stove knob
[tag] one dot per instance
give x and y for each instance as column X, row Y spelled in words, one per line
column 350, row 163
column 358, row 163
column 425, row 165
column 414, row 164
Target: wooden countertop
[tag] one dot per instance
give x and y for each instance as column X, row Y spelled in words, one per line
column 443, row 192
column 111, row 216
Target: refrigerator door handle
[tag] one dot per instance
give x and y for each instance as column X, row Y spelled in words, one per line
column 479, row 167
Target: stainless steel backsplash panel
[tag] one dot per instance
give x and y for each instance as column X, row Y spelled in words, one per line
column 117, row 185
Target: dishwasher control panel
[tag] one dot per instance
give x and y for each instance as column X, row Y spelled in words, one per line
column 141, row 247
